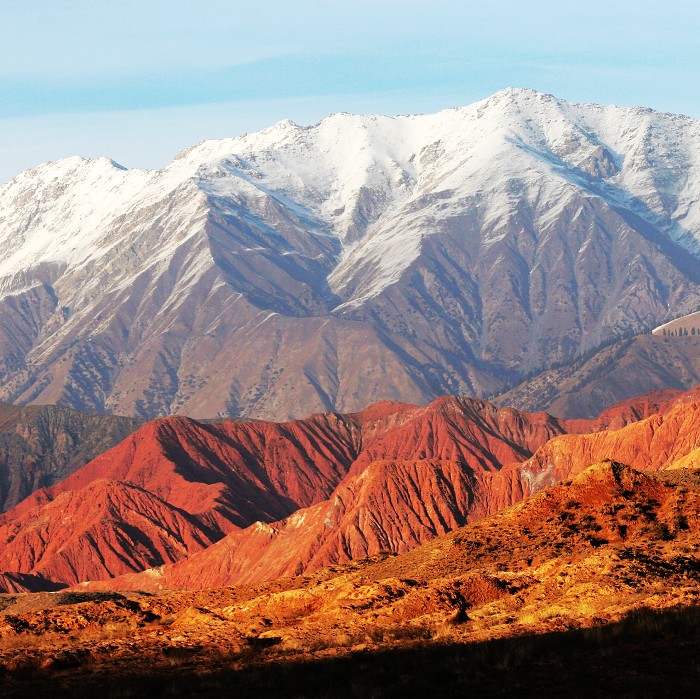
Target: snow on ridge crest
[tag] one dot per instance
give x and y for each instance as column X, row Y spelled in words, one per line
column 367, row 176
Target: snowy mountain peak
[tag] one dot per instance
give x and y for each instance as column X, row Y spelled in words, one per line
column 348, row 167
column 463, row 246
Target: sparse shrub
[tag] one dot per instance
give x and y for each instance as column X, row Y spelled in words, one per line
column 659, row 531
column 680, row 523
column 75, row 597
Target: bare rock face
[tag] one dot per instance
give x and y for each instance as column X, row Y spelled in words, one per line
column 391, row 506
column 316, row 268
column 41, row 445
column 190, row 484
column 243, row 502
column 468, row 431
column 621, row 371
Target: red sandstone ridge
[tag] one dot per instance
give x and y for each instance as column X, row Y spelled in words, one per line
column 100, row 531
column 396, row 505
column 41, row 445
column 666, row 440
column 307, row 493
column 634, row 409
column 466, row 430
column 391, row 505
column 225, row 476
column 170, row 489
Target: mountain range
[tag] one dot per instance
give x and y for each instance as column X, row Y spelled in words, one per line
column 600, row 571
column 180, row 503
column 321, row 268
column 496, row 444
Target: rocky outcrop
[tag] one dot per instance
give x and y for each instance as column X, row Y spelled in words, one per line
column 619, row 372
column 604, row 569
column 41, row 445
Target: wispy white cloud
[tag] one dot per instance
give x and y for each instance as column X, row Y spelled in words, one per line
column 121, row 70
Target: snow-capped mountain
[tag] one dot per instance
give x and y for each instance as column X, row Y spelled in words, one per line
column 365, row 257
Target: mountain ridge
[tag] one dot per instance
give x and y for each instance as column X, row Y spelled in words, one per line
column 263, row 500
column 271, row 274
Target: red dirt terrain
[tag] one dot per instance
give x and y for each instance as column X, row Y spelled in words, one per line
column 663, row 441
column 603, row 568
column 293, row 497
column 395, row 505
column 221, row 478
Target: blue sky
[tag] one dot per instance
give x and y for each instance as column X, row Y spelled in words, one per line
column 139, row 80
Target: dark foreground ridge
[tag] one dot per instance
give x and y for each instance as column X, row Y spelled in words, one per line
column 648, row 653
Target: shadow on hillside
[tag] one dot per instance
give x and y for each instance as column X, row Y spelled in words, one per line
column 647, row 654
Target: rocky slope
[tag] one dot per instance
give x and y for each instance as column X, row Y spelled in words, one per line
column 41, row 445
column 364, row 258
column 201, row 481
column 620, row 371
column 395, row 505
column 587, row 568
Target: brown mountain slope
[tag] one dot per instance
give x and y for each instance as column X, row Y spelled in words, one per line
column 612, row 545
column 618, row 372
column 40, row 445
column 394, row 505
column 316, row 268
column 231, row 475
column 98, row 532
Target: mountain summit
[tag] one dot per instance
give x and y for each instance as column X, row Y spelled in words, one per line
column 363, row 258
